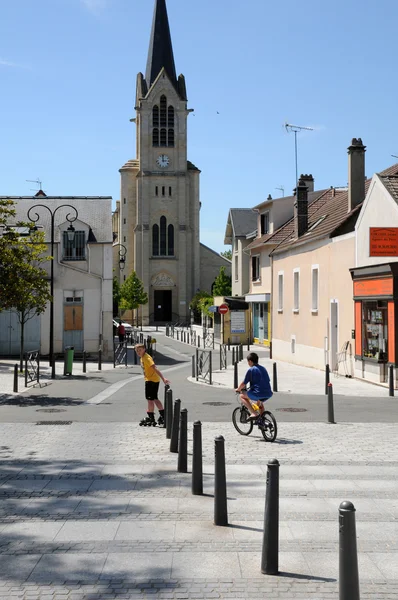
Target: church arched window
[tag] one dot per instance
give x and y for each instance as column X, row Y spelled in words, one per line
column 155, row 137
column 163, row 111
column 171, row 138
column 163, row 235
column 163, row 137
column 170, row 113
column 155, row 116
column 170, row 240
column 155, row 240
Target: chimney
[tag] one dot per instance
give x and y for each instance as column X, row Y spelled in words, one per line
column 309, row 181
column 356, row 173
column 301, row 209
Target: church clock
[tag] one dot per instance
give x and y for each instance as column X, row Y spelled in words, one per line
column 163, row 161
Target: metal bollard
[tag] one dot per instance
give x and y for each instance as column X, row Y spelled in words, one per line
column 327, row 378
column 193, row 367
column 274, row 378
column 53, row 369
column 391, row 380
column 84, row 362
column 233, row 356
column 15, row 388
column 100, row 360
column 330, row 404
column 198, row 341
column 197, row 461
column 270, row 551
column 240, row 352
column 169, row 413
column 348, row 557
column 175, row 426
column 220, row 483
column 229, row 344
column 236, row 383
column 183, row 443
column 248, row 344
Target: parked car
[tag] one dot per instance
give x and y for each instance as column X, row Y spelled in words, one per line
column 116, row 322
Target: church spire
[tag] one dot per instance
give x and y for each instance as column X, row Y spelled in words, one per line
column 160, row 47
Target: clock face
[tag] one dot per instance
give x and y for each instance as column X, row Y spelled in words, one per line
column 163, row 161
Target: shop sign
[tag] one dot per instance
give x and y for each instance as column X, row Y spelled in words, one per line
column 373, row 287
column 383, row 241
column 238, row 321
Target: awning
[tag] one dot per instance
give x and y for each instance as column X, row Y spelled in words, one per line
column 258, row 298
column 236, row 303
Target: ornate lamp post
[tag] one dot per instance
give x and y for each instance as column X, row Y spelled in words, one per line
column 71, row 236
column 122, row 255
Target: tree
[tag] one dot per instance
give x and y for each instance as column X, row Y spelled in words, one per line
column 23, row 282
column 222, row 285
column 227, row 254
column 133, row 294
column 195, row 304
column 116, row 296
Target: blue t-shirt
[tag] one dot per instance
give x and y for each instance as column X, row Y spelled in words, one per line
column 260, row 385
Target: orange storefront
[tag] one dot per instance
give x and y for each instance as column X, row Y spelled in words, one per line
column 375, row 302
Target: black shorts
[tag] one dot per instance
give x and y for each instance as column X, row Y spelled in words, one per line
column 151, row 390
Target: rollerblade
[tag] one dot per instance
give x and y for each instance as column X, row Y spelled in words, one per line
column 148, row 422
column 161, row 421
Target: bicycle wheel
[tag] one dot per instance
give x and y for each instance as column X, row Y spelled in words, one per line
column 239, row 419
column 268, row 427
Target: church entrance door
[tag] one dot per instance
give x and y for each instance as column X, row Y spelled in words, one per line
column 163, row 307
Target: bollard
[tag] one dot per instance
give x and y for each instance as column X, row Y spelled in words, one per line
column 193, row 367
column 330, row 404
column 274, row 378
column 100, row 360
column 84, row 362
column 169, row 413
column 183, row 443
column 197, row 461
column 220, row 483
column 166, row 388
column 233, row 356
column 15, row 377
column 135, row 357
column 327, row 378
column 236, row 383
column 270, row 551
column 175, row 426
column 391, row 380
column 198, row 341
column 53, row 369
column 248, row 344
column 240, row 352
column 229, row 344
column 348, row 557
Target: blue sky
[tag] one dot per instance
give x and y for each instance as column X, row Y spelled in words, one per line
column 68, row 71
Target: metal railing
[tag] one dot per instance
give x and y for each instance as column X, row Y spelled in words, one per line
column 32, row 366
column 120, row 354
column 208, row 340
column 204, row 365
column 223, row 356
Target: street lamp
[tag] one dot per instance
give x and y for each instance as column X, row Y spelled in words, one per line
column 122, row 255
column 71, row 236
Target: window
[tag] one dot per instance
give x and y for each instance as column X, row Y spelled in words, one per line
column 170, row 191
column 163, row 190
column 163, row 123
column 315, row 288
column 163, row 238
column 235, row 244
column 236, row 268
column 264, row 220
column 256, row 268
column 280, row 292
column 296, row 290
column 124, row 221
column 124, row 200
column 75, row 250
column 124, row 238
column 375, row 330
column 156, row 191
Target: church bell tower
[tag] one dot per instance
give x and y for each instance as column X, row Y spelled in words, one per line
column 159, row 202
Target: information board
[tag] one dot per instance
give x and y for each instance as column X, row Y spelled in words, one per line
column 238, row 321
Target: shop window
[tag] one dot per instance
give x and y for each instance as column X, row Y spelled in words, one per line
column 256, row 268
column 296, row 290
column 315, row 289
column 280, row 292
column 375, row 335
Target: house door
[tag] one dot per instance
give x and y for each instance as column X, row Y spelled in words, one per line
column 10, row 333
column 73, row 326
column 163, row 305
column 334, row 332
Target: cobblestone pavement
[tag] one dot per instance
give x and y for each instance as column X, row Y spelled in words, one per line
column 99, row 511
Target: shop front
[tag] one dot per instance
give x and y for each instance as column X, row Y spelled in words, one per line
column 261, row 317
column 375, row 307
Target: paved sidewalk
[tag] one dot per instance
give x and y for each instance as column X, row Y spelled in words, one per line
column 94, row 511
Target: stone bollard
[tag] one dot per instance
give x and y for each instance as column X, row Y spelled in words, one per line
column 327, row 378
column 348, row 557
column 175, row 426
column 197, row 460
column 270, row 551
column 274, row 378
column 330, row 404
column 220, row 483
column 183, row 443
column 169, row 412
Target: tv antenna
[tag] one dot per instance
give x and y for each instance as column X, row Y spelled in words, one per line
column 296, row 129
column 37, row 182
column 282, row 189
column 394, row 155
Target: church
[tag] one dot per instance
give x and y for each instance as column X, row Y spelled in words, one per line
column 157, row 217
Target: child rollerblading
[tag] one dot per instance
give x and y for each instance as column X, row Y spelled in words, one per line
column 152, row 377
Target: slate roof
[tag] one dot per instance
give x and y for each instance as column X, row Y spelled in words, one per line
column 160, row 47
column 326, row 216
column 94, row 211
column 243, row 221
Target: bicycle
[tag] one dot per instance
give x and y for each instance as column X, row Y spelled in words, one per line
column 265, row 422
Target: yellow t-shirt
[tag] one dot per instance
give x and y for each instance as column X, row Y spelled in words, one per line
column 149, row 373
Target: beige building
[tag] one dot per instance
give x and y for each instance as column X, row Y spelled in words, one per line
column 241, row 228
column 157, row 218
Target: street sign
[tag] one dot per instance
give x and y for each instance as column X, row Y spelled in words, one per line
column 213, row 309
column 223, row 309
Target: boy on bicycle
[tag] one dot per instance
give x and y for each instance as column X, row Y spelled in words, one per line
column 260, row 386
